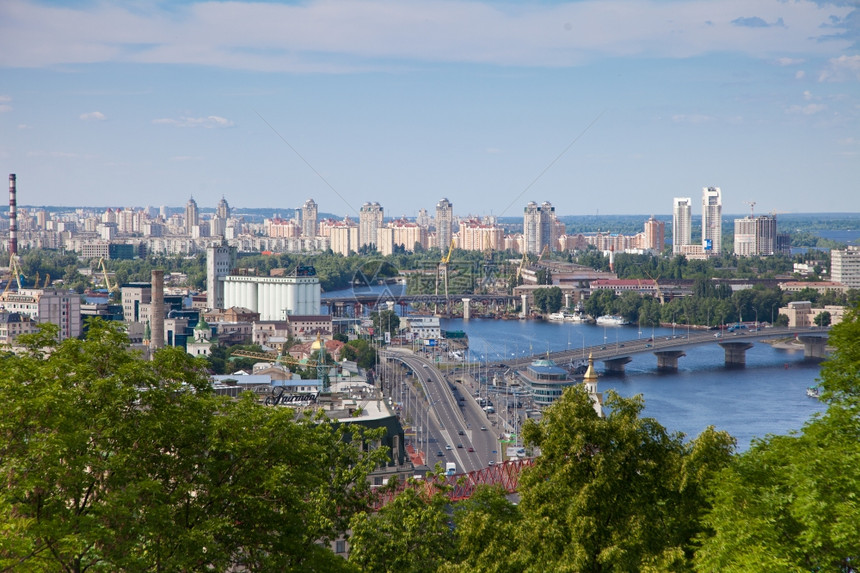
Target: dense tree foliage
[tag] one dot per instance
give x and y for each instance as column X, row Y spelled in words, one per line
column 548, row 299
column 111, row 463
column 790, row 503
column 613, row 494
column 360, row 351
column 409, row 535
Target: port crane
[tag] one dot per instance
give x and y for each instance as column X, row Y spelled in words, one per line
column 15, row 272
column 111, row 287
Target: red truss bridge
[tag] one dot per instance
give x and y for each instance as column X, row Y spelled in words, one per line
column 458, row 487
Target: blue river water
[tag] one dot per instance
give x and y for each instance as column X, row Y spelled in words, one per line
column 766, row 397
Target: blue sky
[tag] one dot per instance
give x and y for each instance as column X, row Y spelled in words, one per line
column 599, row 106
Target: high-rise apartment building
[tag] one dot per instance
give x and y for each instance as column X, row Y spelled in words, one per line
column 222, row 211
column 755, row 236
column 655, row 235
column 423, row 218
column 192, row 215
column 480, row 236
column 712, row 220
column 540, row 227
column 444, row 224
column 344, row 237
column 682, row 223
column 310, row 213
column 370, row 219
column 845, row 266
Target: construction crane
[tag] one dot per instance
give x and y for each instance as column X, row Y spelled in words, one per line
column 110, row 287
column 543, row 252
column 752, row 208
column 523, row 264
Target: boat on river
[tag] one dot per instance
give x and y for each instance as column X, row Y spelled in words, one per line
column 813, row 392
column 612, row 320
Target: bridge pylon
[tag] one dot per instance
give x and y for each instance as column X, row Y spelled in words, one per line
column 736, row 353
column 667, row 360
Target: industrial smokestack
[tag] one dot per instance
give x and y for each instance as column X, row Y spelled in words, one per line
column 157, row 335
column 13, row 217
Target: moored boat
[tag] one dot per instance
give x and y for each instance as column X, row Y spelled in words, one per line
column 611, row 320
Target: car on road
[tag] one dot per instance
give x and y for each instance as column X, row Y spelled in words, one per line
column 460, row 446
column 439, row 454
column 461, row 433
column 471, row 449
column 483, row 428
column 425, row 366
column 448, row 447
column 492, row 463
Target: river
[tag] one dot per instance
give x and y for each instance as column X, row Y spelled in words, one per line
column 766, row 397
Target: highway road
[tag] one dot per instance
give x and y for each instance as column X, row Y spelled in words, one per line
column 455, row 419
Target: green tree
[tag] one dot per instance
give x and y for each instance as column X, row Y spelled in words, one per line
column 385, row 321
column 613, row 494
column 790, row 502
column 112, row 463
column 822, row 319
column 411, row 534
column 485, row 532
column 548, row 300
column 361, row 352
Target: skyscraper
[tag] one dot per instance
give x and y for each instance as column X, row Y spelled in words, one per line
column 539, row 227
column 370, row 219
column 192, row 215
column 444, row 224
column 712, row 222
column 223, row 209
column 531, row 228
column 310, row 213
column 682, row 227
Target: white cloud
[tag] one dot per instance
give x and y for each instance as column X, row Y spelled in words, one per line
column 841, row 69
column 24, row 126
column 799, row 74
column 340, row 35
column 807, row 95
column 207, row 122
column 809, row 109
column 93, row 115
column 4, row 103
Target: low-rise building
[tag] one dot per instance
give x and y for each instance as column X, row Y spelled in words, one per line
column 13, row 325
column 49, row 305
column 801, row 314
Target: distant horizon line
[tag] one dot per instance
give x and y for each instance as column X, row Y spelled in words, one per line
column 668, row 215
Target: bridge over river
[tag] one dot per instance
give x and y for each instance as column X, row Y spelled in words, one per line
column 668, row 349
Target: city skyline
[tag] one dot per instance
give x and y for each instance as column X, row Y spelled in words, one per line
column 608, row 107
